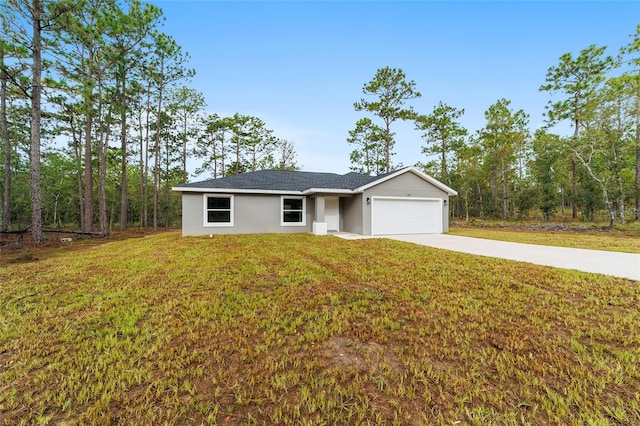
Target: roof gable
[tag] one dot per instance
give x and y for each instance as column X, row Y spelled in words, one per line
column 388, row 176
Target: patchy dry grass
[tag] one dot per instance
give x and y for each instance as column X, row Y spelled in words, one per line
column 297, row 329
column 594, row 239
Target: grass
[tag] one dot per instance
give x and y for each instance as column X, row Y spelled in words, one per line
column 297, row 329
column 625, row 241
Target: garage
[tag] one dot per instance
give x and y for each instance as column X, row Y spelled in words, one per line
column 406, row 215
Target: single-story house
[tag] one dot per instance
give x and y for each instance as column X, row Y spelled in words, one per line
column 405, row 201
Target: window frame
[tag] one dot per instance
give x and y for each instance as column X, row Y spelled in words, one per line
column 231, row 211
column 303, row 211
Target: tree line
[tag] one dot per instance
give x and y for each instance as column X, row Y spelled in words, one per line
column 97, row 121
column 505, row 170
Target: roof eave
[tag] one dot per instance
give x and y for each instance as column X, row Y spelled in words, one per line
column 235, row 191
column 328, row 191
column 309, row 191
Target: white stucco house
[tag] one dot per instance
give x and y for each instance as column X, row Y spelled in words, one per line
column 405, row 201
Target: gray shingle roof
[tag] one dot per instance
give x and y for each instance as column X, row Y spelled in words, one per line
column 283, row 180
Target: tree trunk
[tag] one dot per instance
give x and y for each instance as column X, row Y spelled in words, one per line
column 4, row 133
column 77, row 150
column 223, row 156
column 494, row 192
column 142, row 171
column 574, row 175
column 124, row 207
column 605, row 194
column 387, row 148
column 503, row 188
column 184, row 153
column 37, row 235
column 254, row 160
column 166, row 187
column 617, row 166
column 156, row 184
column 102, row 175
column 466, row 205
column 443, row 166
column 88, row 176
column 238, row 156
column 88, row 157
column 215, row 157
column 638, row 151
column 145, row 175
column 481, row 203
column 156, row 170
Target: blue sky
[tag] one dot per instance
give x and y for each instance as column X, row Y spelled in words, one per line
column 301, row 65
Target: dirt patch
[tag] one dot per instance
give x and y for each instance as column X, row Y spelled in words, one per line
column 21, row 249
column 352, row 354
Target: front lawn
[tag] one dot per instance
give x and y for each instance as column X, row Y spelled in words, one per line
column 297, row 329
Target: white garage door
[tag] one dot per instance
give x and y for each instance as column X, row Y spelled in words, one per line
column 405, row 216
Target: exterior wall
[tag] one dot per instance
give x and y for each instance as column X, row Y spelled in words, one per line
column 252, row 213
column 404, row 185
column 260, row 213
column 352, row 214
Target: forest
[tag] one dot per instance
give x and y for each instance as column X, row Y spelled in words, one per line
column 507, row 170
column 97, row 122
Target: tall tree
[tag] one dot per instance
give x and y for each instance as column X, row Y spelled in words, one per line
column 6, row 143
column 260, row 144
column 11, row 71
column 34, row 18
column 286, row 155
column 69, row 123
column 186, row 103
column 467, row 181
column 211, row 145
column 369, row 155
column 576, row 79
column 391, row 90
column 603, row 144
column 250, row 141
column 129, row 33
column 443, row 134
column 167, row 67
column 546, row 169
column 37, row 22
column 631, row 56
column 502, row 140
column 142, row 107
column 86, row 61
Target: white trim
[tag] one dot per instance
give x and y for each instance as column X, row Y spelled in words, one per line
column 207, row 224
column 415, row 171
column 304, row 211
column 328, row 191
column 394, row 197
column 235, row 191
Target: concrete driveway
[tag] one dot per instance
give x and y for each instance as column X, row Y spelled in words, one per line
column 624, row 265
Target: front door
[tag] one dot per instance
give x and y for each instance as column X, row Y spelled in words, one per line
column 332, row 213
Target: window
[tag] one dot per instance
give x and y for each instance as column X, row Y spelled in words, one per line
column 293, row 211
column 218, row 210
